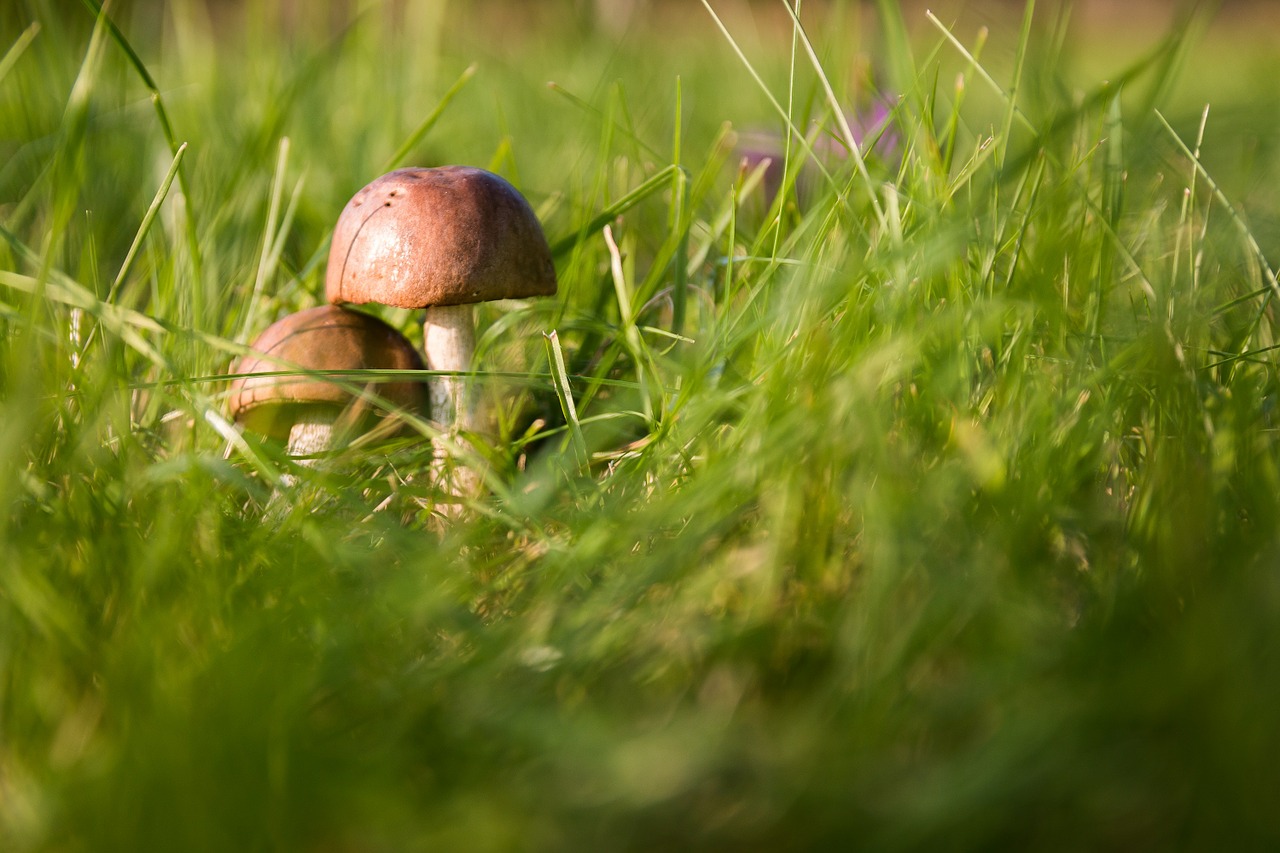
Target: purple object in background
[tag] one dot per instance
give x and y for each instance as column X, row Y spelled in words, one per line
column 761, row 146
column 878, row 138
column 874, row 125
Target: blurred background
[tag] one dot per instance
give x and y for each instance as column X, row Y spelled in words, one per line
column 547, row 71
column 549, row 78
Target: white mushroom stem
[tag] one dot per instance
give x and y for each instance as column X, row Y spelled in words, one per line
column 449, row 342
column 312, row 434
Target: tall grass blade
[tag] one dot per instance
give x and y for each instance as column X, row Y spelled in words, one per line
column 842, row 121
column 897, row 46
column 627, row 314
column 602, row 118
column 269, row 241
column 1024, row 40
column 977, row 66
column 419, row 133
column 156, row 202
column 783, row 113
column 660, row 180
column 1221, row 197
column 166, row 127
column 564, row 392
column 677, row 222
column 15, row 51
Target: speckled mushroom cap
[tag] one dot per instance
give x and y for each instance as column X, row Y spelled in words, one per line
column 325, row 338
column 446, row 236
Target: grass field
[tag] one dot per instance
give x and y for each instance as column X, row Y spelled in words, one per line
column 933, row 503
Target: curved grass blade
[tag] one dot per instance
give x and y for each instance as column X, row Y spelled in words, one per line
column 145, row 226
column 19, row 47
column 659, row 181
column 855, row 151
column 397, row 159
column 565, row 393
column 166, row 126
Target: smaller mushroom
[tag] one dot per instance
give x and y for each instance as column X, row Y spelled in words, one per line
column 303, row 409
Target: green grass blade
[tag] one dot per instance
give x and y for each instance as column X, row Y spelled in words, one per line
column 560, row 378
column 842, row 121
column 1024, row 40
column 161, row 194
column 166, row 126
column 659, row 181
column 1221, row 197
column 897, row 46
column 677, row 221
column 419, row 133
column 782, row 112
column 601, row 119
column 15, row 51
column 269, row 241
column 977, row 66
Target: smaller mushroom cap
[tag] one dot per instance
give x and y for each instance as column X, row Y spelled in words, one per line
column 452, row 235
column 324, row 338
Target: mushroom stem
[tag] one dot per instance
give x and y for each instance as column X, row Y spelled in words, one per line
column 308, row 436
column 449, row 342
column 312, row 434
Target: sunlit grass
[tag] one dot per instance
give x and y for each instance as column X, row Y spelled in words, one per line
column 931, row 502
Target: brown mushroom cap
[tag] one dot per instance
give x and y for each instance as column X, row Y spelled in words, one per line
column 324, row 338
column 453, row 235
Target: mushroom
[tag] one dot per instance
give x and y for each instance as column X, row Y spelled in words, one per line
column 440, row 239
column 304, row 409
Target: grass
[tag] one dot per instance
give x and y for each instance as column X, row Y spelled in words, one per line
column 932, row 505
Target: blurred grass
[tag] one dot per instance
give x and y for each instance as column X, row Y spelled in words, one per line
column 942, row 514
